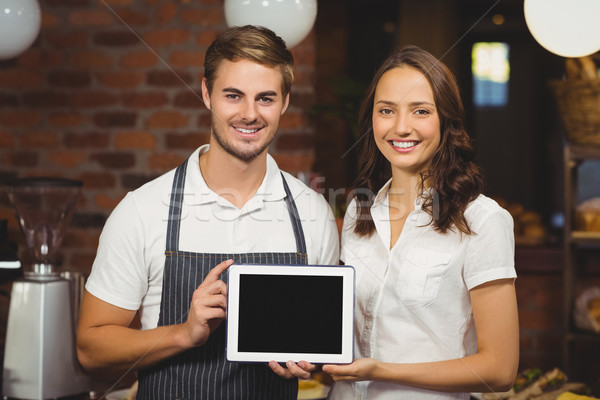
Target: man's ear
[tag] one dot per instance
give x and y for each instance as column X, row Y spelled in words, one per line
column 205, row 94
column 286, row 103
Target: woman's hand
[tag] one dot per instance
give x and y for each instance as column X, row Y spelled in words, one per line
column 301, row 370
column 361, row 369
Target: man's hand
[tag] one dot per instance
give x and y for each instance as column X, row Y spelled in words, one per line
column 208, row 307
column 301, row 370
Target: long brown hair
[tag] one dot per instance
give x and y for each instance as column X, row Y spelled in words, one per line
column 452, row 174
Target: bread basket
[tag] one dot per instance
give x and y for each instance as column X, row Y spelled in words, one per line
column 578, row 102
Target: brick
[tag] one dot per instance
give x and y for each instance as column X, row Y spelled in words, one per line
column 186, row 59
column 539, row 321
column 294, row 142
column 132, row 18
column 114, row 160
column 23, row 158
column 21, row 79
column 91, row 59
column 186, row 141
column 304, row 78
column 106, row 202
column 168, row 78
column 94, row 99
column 40, row 59
column 304, row 56
column 19, row 119
column 67, row 3
column 167, row 120
column 67, row 39
column 8, row 100
column 292, row 120
column 203, row 17
column 164, row 161
column 97, row 180
column 69, row 79
column 166, row 13
column 205, row 119
column 135, row 140
column 6, row 139
column 302, row 100
column 115, row 119
column 49, row 20
column 139, row 60
column 67, row 159
column 121, row 38
column 206, row 37
column 144, row 99
column 39, row 139
column 166, row 37
column 90, row 18
column 82, row 261
column 116, row 3
column 46, row 99
column 121, row 80
column 88, row 220
column 86, row 140
column 188, row 99
column 66, row 119
column 134, row 181
column 75, row 237
column 295, row 162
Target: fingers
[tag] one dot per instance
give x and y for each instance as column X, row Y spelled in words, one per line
column 216, row 272
column 292, row 370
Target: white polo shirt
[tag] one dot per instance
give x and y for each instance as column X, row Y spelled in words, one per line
column 412, row 302
column 128, row 268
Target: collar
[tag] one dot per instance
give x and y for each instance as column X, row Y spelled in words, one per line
column 198, row 192
column 382, row 196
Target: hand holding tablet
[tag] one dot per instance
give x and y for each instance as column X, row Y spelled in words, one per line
column 283, row 312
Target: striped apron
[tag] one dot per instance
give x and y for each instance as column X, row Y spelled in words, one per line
column 203, row 372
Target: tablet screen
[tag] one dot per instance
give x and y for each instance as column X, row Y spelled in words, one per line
column 290, row 313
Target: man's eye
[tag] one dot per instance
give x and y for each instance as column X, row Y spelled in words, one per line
column 232, row 96
column 266, row 100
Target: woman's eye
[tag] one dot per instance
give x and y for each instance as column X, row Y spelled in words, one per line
column 422, row 112
column 385, row 111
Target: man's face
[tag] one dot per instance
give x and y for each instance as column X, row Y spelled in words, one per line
column 246, row 104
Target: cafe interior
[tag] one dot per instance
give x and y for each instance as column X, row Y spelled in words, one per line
column 98, row 97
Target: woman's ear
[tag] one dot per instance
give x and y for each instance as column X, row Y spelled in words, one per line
column 205, row 94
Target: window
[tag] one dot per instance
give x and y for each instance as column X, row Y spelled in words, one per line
column 491, row 71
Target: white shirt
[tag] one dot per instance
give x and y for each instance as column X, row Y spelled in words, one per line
column 412, row 302
column 128, row 268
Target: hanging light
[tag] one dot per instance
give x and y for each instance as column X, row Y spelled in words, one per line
column 569, row 28
column 290, row 19
column 19, row 26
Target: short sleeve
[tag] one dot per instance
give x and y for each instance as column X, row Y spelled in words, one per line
column 118, row 274
column 491, row 249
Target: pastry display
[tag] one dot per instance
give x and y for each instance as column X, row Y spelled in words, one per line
column 587, row 215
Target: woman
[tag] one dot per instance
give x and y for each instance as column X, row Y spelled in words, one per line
column 436, row 312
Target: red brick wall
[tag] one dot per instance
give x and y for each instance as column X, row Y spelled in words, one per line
column 109, row 94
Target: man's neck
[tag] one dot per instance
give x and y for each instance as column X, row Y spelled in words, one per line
column 231, row 178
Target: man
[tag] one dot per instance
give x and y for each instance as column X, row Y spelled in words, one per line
column 165, row 246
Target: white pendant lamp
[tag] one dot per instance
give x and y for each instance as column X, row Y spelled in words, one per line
column 569, row 28
column 290, row 19
column 19, row 26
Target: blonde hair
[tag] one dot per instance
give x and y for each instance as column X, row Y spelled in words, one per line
column 254, row 43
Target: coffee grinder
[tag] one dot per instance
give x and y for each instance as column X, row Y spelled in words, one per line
column 40, row 359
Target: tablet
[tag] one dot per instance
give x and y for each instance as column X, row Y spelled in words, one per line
column 290, row 312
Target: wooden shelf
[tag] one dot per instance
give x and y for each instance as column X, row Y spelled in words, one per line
column 585, row 237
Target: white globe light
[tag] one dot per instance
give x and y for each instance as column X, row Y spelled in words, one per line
column 569, row 28
column 290, row 19
column 19, row 26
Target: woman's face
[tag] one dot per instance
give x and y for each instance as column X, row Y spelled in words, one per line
column 406, row 125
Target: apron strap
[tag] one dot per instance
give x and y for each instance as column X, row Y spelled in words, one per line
column 176, row 206
column 296, row 224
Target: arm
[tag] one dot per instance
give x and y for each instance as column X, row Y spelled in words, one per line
column 492, row 368
column 105, row 340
